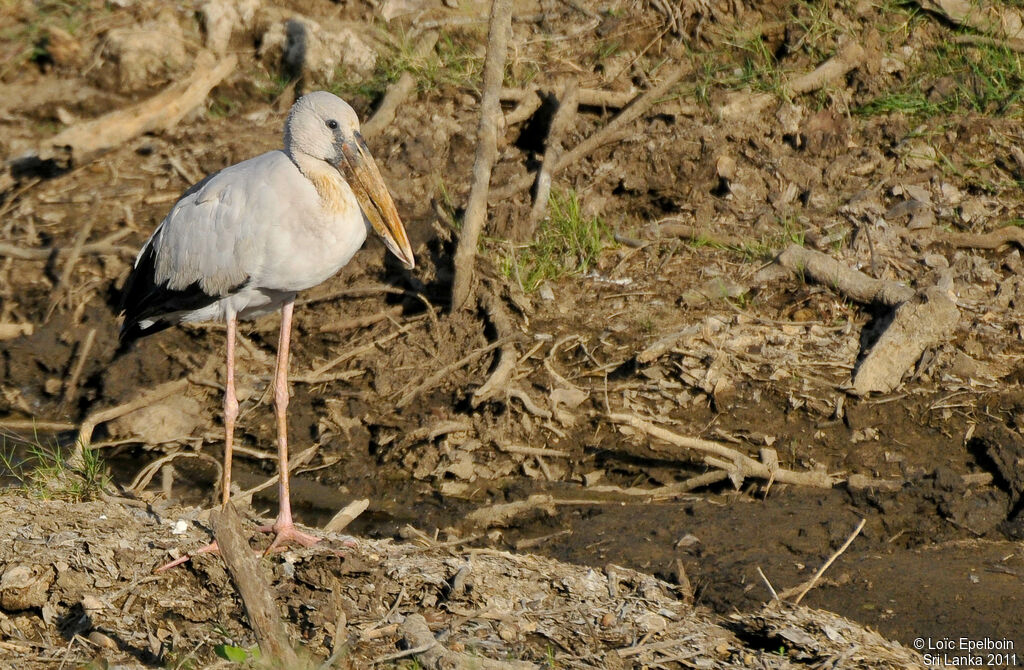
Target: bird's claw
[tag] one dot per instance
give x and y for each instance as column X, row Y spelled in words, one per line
column 287, row 533
column 283, row 534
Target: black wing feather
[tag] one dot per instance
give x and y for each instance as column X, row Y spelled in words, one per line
column 142, row 298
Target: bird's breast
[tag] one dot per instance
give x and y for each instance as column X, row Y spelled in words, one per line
column 336, row 198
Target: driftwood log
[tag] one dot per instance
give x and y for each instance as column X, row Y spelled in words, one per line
column 920, row 319
column 85, row 140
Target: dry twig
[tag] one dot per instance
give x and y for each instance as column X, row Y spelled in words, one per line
column 612, row 132
column 96, row 418
column 854, row 284
column 434, row 378
column 486, row 151
column 164, row 110
column 735, row 463
column 497, row 384
column 552, row 152
column 803, row 589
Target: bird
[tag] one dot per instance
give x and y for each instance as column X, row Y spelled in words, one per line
column 245, row 240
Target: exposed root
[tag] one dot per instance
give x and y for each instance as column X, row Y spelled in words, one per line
column 739, row 466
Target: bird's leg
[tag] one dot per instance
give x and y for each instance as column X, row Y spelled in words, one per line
column 230, row 409
column 230, row 415
column 284, row 527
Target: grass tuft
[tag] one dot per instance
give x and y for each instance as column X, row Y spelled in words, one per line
column 42, row 471
column 567, row 242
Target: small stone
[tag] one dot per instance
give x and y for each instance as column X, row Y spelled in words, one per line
column 101, row 640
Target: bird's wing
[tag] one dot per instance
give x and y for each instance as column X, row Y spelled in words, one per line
column 210, row 243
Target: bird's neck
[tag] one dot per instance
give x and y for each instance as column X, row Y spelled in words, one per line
column 335, row 195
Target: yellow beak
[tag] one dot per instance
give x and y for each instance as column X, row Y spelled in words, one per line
column 368, row 186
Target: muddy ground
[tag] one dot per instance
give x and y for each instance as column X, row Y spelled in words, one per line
column 703, row 335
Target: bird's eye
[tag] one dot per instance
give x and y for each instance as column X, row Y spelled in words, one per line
column 332, row 124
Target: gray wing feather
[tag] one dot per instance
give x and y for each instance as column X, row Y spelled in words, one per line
column 213, row 234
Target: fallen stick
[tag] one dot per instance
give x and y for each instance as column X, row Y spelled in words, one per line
column 10, row 331
column 920, row 323
column 803, row 589
column 588, row 97
column 501, row 514
column 399, row 91
column 360, row 321
column 37, row 424
column 104, row 246
column 434, row 378
column 64, row 281
column 566, row 111
column 984, row 41
column 522, row 111
column 735, row 462
column 850, row 56
column 109, row 414
column 71, row 387
column 667, row 491
column 990, row 240
column 854, row 284
column 254, row 588
column 486, row 151
column 347, row 515
column 614, row 131
column 533, row 451
column 743, row 104
column 672, row 228
column 164, row 110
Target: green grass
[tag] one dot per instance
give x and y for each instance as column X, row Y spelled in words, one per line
column 958, row 78
column 567, row 242
column 42, row 471
column 453, row 62
column 769, row 245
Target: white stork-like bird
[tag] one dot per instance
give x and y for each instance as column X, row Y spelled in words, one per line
column 245, row 240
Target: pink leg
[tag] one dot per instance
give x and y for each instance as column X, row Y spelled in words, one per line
column 230, row 415
column 284, row 527
column 230, row 410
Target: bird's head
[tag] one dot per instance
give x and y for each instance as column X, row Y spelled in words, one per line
column 324, row 127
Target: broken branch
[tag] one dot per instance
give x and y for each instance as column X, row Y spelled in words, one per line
column 609, row 133
column 164, row 110
column 253, row 587
column 486, row 151
column 854, row 284
column 743, row 465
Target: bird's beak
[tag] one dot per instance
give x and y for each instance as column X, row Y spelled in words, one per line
column 366, row 183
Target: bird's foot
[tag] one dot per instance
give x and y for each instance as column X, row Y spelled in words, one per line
column 284, row 533
column 211, row 548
